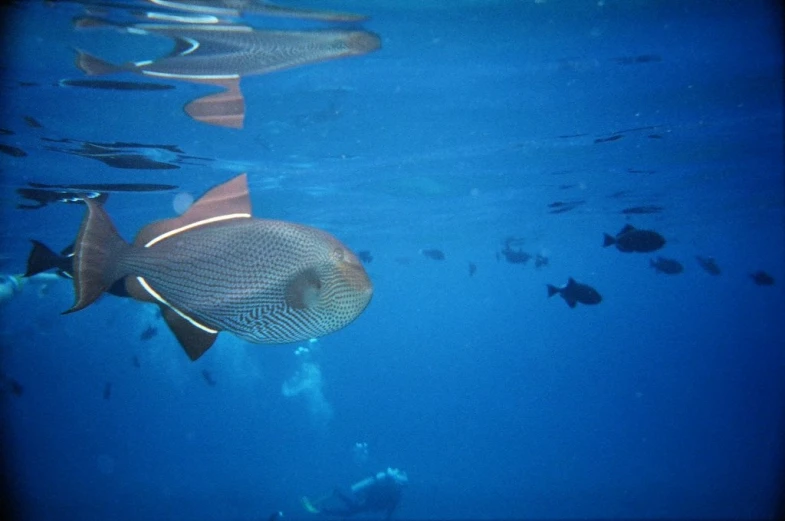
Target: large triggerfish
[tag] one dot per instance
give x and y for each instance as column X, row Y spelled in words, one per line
column 215, row 268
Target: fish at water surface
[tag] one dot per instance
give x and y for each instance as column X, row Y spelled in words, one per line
column 215, row 268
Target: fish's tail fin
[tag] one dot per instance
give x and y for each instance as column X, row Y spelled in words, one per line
column 94, row 66
column 552, row 290
column 41, row 259
column 609, row 240
column 96, row 251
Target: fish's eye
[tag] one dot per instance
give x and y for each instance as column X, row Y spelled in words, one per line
column 339, row 254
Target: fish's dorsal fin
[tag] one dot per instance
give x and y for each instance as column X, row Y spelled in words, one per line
column 570, row 282
column 225, row 202
column 627, row 228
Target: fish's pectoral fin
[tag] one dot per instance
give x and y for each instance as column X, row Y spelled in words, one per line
column 302, row 292
column 223, row 109
column 195, row 341
column 226, row 201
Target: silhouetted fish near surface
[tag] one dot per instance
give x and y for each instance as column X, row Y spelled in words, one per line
column 222, row 54
column 709, row 265
column 32, row 122
column 667, row 266
column 136, row 156
column 761, row 278
column 107, row 390
column 8, row 384
column 472, row 269
column 45, row 197
column 215, row 268
column 115, row 85
column 433, row 254
column 631, row 239
column 575, row 292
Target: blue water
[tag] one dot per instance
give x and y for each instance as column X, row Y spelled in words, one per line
column 666, row 400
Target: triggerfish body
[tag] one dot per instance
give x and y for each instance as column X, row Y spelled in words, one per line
column 215, row 268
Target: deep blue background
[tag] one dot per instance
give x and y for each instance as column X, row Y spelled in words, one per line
column 666, row 400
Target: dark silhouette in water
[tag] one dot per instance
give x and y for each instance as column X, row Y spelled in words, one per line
column 148, row 333
column 365, row 256
column 761, row 278
column 8, row 384
column 107, row 390
column 514, row 256
column 667, row 266
column 709, row 265
column 208, row 378
column 631, row 239
column 433, row 254
column 472, row 269
column 575, row 292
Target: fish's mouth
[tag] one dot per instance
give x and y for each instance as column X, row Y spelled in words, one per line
column 356, row 277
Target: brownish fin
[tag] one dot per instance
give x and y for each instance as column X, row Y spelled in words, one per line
column 96, row 251
column 223, row 109
column 194, row 341
column 93, row 66
column 226, row 201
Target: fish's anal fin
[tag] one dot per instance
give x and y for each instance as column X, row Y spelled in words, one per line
column 195, row 341
column 571, row 302
column 226, row 201
column 222, row 109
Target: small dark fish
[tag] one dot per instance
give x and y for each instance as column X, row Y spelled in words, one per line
column 216, row 268
column 562, row 207
column 608, row 139
column 639, row 210
column 365, row 256
column 654, row 136
column 761, row 278
column 639, row 171
column 575, row 292
column 45, row 197
column 709, row 265
column 433, row 254
column 12, row 151
column 631, row 239
column 208, row 378
column 32, row 122
column 472, row 269
column 42, row 258
column 115, row 85
column 540, row 261
column 514, row 256
column 148, row 333
column 135, row 361
column 107, row 390
column 6, row 132
column 667, row 266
